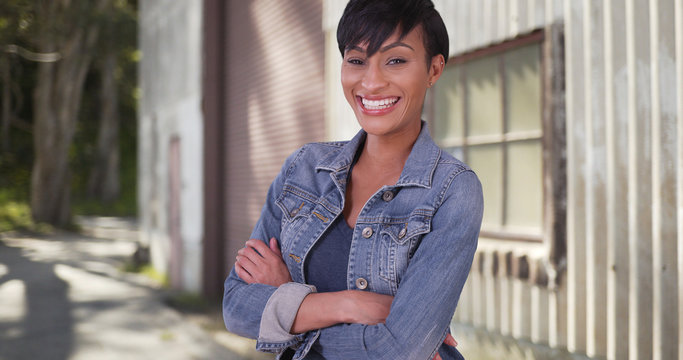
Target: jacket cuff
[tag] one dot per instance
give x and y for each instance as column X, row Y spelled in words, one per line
column 279, row 314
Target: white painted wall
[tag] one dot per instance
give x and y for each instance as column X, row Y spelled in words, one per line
column 170, row 79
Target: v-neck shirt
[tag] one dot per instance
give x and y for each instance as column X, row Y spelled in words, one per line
column 327, row 262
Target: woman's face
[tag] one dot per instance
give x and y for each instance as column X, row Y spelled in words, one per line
column 387, row 89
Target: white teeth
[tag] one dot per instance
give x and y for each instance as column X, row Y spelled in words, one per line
column 379, row 104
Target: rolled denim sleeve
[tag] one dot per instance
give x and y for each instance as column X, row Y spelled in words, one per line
column 244, row 304
column 278, row 316
column 429, row 291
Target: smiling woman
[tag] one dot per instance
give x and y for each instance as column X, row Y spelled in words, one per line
column 363, row 247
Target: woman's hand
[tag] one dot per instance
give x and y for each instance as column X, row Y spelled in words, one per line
column 450, row 341
column 261, row 264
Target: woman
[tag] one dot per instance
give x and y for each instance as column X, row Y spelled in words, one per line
column 376, row 234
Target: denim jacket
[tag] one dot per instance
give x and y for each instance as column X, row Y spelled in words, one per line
column 414, row 240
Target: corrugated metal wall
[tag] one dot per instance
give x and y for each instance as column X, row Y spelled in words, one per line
column 275, row 100
column 620, row 295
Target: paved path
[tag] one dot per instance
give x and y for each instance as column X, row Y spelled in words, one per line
column 64, row 296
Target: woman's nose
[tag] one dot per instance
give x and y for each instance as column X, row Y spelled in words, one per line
column 373, row 78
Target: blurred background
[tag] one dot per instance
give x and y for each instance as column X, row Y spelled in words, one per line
column 139, row 139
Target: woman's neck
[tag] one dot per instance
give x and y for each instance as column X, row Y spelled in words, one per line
column 388, row 153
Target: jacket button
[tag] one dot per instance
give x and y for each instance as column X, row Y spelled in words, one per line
column 294, row 212
column 361, row 283
column 388, row 196
column 367, row 232
column 402, row 233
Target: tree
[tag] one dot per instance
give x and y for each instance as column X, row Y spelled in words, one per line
column 70, row 28
column 117, row 36
column 12, row 16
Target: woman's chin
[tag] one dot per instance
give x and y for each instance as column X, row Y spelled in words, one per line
column 383, row 126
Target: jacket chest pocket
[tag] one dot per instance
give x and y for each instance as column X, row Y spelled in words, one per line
column 296, row 209
column 399, row 241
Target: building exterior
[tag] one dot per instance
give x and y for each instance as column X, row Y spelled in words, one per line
column 171, row 123
column 225, row 101
column 569, row 111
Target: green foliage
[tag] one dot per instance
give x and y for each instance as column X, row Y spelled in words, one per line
column 16, row 215
column 18, row 26
column 120, row 34
column 148, row 271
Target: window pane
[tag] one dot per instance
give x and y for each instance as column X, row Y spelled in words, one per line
column 525, row 186
column 523, row 88
column 457, row 152
column 448, row 107
column 484, row 99
column 487, row 162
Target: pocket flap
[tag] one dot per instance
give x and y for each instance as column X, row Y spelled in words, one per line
column 401, row 230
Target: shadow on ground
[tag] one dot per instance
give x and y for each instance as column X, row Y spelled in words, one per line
column 35, row 319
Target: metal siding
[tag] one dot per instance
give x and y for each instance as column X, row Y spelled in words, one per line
column 640, row 182
column 596, row 251
column 526, row 15
column 617, row 171
column 679, row 165
column 576, row 246
column 275, row 99
column 503, row 17
column 664, row 144
column 621, row 293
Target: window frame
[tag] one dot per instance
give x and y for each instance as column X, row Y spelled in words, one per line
column 553, row 136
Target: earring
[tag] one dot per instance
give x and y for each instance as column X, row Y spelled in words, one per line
column 430, row 84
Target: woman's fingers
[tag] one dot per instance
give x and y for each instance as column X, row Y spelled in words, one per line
column 248, row 265
column 250, row 253
column 263, row 250
column 243, row 274
column 263, row 263
column 450, row 340
column 275, row 248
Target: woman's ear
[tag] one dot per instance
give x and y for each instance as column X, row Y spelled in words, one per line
column 436, row 68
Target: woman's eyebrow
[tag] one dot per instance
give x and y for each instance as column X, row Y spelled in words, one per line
column 396, row 44
column 384, row 49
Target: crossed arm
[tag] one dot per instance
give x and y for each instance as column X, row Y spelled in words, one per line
column 262, row 264
column 422, row 304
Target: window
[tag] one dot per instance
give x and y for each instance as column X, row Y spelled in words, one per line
column 501, row 110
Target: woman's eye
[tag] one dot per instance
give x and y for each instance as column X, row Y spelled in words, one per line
column 396, row 61
column 355, row 61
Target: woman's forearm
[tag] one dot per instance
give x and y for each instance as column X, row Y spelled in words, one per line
column 320, row 310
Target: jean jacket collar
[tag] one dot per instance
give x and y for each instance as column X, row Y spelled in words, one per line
column 418, row 170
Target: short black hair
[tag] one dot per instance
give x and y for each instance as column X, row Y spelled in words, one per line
column 373, row 21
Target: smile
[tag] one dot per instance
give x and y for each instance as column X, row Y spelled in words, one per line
column 380, row 104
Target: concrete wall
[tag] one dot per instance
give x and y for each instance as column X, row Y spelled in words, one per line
column 618, row 294
column 170, row 113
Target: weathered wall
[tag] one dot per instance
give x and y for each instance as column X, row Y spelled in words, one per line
column 620, row 294
column 170, row 138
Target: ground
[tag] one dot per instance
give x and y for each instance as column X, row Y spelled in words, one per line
column 66, row 296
